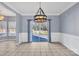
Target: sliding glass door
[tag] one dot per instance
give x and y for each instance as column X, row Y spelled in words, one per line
column 11, row 28
column 7, row 29
column 39, row 32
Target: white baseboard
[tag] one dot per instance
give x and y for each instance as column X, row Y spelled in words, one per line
column 23, row 37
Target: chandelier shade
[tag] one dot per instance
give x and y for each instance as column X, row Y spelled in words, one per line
column 40, row 16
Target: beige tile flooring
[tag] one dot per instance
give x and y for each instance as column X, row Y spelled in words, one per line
column 9, row 48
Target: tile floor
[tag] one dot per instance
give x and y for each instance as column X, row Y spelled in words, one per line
column 9, row 48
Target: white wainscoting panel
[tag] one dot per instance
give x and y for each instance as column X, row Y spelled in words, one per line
column 23, row 37
column 71, row 42
column 55, row 37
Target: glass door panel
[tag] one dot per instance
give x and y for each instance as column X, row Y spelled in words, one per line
column 3, row 28
column 39, row 32
column 12, row 28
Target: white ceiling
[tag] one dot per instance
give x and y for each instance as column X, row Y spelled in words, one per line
column 50, row 8
column 6, row 12
column 30, row 8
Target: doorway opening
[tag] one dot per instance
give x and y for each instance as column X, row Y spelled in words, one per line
column 39, row 32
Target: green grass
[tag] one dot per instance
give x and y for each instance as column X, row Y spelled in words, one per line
column 40, row 32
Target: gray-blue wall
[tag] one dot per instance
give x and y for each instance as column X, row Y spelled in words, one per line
column 55, row 23
column 25, row 23
column 18, row 26
column 69, row 21
column 55, row 27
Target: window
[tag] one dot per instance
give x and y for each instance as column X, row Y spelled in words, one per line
column 12, row 28
column 3, row 28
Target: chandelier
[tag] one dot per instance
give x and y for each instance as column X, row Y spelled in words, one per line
column 40, row 16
